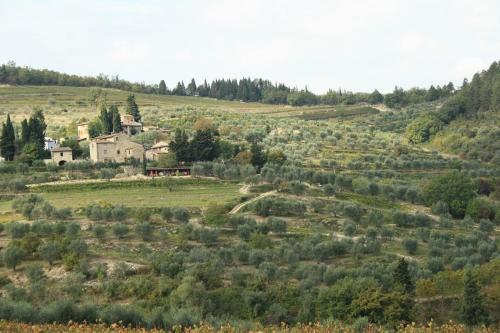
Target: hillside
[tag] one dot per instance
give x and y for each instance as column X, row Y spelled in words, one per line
column 298, row 215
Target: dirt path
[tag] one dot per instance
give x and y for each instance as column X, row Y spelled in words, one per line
column 237, row 208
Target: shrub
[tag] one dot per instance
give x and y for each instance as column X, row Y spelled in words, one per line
column 277, row 225
column 350, row 229
column 353, row 211
column 144, row 230
column 99, row 231
column 435, row 264
column 410, row 244
column 49, row 252
column 120, row 230
column 166, row 214
column 181, row 214
column 17, row 230
column 13, row 256
column 455, row 189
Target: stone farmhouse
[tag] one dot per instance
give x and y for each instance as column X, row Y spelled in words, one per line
column 159, row 148
column 115, row 148
column 61, row 155
column 83, row 131
column 129, row 127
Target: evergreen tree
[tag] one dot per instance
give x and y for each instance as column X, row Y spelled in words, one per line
column 162, row 88
column 204, row 89
column 180, row 146
column 25, row 132
column 37, row 127
column 106, row 120
column 258, row 157
column 204, row 146
column 473, row 310
column 7, row 140
column 432, row 94
column 402, row 278
column 375, row 97
column 132, row 108
column 191, row 88
column 116, row 123
column 180, row 89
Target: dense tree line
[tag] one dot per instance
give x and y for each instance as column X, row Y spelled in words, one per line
column 246, row 89
column 29, row 145
column 480, row 95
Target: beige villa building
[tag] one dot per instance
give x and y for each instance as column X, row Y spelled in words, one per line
column 159, row 148
column 61, row 155
column 129, row 127
column 115, row 148
column 83, row 131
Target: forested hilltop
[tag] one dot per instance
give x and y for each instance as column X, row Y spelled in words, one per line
column 473, row 116
column 245, row 89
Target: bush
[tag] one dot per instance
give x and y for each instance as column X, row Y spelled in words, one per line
column 166, row 214
column 410, row 244
column 181, row 214
column 350, row 229
column 13, row 256
column 99, row 231
column 49, row 252
column 353, row 211
column 144, row 230
column 120, row 230
column 276, row 225
column 455, row 189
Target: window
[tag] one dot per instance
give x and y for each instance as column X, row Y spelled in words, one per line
column 61, row 154
column 118, row 152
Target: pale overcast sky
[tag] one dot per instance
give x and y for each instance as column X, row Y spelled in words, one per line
column 356, row 45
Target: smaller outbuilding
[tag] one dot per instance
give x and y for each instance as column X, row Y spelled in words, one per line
column 61, row 155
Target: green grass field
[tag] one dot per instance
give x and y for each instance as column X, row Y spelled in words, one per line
column 181, row 192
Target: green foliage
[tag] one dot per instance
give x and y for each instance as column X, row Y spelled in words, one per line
column 49, row 252
column 12, row 256
column 132, row 108
column 473, row 309
column 423, row 128
column 7, row 140
column 454, row 189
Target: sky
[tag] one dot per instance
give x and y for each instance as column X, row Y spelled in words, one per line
column 356, row 45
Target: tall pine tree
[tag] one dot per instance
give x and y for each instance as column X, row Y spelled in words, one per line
column 25, row 133
column 132, row 108
column 162, row 88
column 180, row 146
column 473, row 310
column 114, row 115
column 106, row 120
column 7, row 140
column 191, row 88
column 402, row 278
column 37, row 127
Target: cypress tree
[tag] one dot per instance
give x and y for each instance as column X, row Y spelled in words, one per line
column 116, row 123
column 106, row 120
column 37, row 127
column 191, row 88
column 258, row 157
column 473, row 311
column 7, row 140
column 132, row 108
column 162, row 88
column 402, row 278
column 25, row 132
